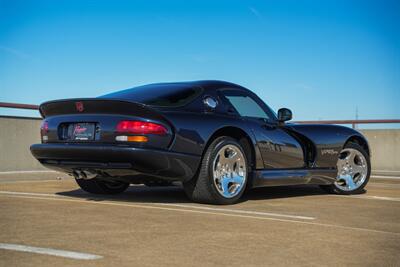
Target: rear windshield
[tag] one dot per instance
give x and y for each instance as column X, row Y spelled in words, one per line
column 159, row 95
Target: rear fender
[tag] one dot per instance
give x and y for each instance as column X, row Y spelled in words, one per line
column 194, row 131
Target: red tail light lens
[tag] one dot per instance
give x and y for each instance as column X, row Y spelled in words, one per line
column 44, row 128
column 141, row 127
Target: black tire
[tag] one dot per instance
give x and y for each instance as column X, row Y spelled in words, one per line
column 202, row 188
column 101, row 187
column 333, row 189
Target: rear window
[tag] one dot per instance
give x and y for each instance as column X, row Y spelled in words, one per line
column 159, row 95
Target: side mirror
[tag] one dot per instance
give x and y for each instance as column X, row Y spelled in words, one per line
column 284, row 114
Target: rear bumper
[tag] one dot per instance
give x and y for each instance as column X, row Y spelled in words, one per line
column 121, row 161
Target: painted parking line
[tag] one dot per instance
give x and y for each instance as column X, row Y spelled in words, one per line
column 52, row 252
column 375, row 198
column 187, row 206
column 214, row 213
column 28, row 194
column 29, row 181
column 384, row 185
column 385, row 177
column 385, row 171
column 26, row 172
column 240, row 211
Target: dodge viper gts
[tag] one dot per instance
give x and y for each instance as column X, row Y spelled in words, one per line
column 217, row 138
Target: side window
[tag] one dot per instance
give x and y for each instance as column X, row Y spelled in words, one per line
column 245, row 105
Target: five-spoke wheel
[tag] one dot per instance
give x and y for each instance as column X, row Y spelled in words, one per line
column 353, row 171
column 229, row 171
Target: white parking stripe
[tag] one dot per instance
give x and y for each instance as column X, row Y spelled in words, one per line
column 240, row 211
column 49, row 251
column 28, row 194
column 385, row 177
column 182, row 206
column 375, row 198
column 29, row 181
column 21, row 172
column 208, row 213
column 387, row 171
column 384, row 185
column 222, row 209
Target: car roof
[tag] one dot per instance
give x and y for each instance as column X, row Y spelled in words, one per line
column 205, row 84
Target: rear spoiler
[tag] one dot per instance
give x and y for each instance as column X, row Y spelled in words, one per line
column 97, row 106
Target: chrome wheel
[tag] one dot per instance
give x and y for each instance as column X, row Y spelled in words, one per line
column 229, row 171
column 352, row 170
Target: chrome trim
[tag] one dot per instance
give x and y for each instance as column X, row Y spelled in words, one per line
column 210, row 102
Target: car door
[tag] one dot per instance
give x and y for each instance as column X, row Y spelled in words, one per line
column 279, row 150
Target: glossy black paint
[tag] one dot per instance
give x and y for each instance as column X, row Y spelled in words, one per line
column 294, row 177
column 284, row 114
column 124, row 162
column 281, row 153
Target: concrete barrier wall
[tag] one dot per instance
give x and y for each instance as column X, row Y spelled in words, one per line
column 17, row 134
column 385, row 149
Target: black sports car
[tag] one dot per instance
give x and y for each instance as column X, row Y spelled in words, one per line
column 216, row 137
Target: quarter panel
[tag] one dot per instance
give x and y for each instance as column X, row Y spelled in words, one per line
column 194, row 130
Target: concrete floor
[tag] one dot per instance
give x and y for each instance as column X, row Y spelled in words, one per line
column 279, row 226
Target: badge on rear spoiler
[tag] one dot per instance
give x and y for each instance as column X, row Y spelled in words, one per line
column 79, row 106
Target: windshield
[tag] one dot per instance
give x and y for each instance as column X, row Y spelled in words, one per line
column 159, row 95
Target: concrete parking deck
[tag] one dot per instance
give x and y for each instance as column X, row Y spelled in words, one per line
column 299, row 226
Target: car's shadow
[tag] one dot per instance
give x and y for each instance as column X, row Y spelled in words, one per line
column 175, row 194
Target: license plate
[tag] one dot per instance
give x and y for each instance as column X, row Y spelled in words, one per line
column 81, row 131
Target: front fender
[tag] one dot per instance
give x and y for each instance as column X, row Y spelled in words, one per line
column 328, row 140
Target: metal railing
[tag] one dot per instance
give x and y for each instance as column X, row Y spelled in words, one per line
column 19, row 106
column 352, row 122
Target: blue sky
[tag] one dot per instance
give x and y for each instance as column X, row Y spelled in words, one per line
column 322, row 59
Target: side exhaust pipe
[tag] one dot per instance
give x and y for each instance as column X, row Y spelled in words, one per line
column 85, row 175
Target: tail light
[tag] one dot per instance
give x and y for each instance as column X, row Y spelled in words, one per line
column 141, row 127
column 44, row 128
